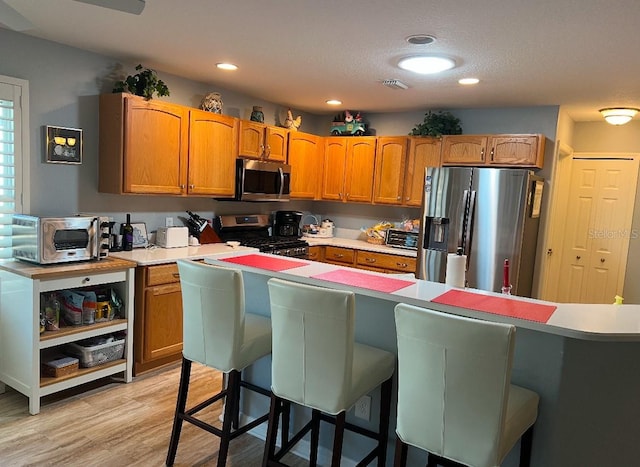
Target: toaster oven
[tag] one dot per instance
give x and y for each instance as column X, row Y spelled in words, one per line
column 402, row 239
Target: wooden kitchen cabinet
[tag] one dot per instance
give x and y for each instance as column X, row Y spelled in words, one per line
column 260, row 141
column 339, row 255
column 155, row 147
column 423, row 152
column 305, row 158
column 158, row 325
column 384, row 262
column 316, row 253
column 391, row 160
column 494, row 150
column 348, row 168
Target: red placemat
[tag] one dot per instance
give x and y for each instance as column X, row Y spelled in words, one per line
column 265, row 262
column 365, row 281
column 497, row 305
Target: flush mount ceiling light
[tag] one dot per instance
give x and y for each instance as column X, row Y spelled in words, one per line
column 334, row 102
column 421, row 39
column 426, row 64
column 227, row 66
column 618, row 115
column 468, row 81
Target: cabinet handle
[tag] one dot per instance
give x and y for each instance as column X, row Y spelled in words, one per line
column 399, row 198
column 370, row 260
column 176, row 275
column 407, row 198
column 602, row 260
column 491, row 154
column 402, row 265
column 482, row 153
column 192, row 186
column 86, row 279
column 338, row 255
column 578, row 257
column 182, row 187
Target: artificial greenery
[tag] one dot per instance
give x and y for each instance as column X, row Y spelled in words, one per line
column 437, row 124
column 145, row 84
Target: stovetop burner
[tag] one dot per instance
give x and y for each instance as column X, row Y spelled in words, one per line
column 253, row 231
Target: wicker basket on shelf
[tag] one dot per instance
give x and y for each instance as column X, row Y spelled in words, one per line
column 375, row 240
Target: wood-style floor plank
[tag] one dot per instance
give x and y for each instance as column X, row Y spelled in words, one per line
column 117, row 424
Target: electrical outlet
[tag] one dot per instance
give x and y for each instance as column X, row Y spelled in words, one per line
column 168, row 221
column 362, row 408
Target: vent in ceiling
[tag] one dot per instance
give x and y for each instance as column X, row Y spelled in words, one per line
column 394, row 84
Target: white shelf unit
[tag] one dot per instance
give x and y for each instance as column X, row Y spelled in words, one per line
column 21, row 344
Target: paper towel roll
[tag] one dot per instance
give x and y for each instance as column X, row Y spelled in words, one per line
column 456, row 265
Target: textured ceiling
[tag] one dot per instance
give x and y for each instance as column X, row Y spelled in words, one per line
column 581, row 54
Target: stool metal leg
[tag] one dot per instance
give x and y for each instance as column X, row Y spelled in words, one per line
column 383, row 424
column 315, row 435
column 230, row 409
column 181, row 403
column 272, row 430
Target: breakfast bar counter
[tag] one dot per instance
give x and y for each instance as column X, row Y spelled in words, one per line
column 581, row 359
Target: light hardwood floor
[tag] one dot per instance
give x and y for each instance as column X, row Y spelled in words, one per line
column 119, row 425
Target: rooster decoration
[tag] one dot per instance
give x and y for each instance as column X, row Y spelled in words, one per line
column 290, row 123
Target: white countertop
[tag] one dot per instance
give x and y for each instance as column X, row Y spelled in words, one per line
column 158, row 255
column 359, row 245
column 580, row 321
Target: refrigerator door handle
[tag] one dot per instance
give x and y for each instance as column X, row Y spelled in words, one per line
column 463, row 216
column 468, row 228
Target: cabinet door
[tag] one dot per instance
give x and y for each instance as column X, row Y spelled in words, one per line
column 361, row 152
column 423, row 152
column 339, row 255
column 521, row 150
column 213, row 145
column 315, row 253
column 464, row 149
column 335, row 156
column 162, row 322
column 391, row 155
column 276, row 139
column 305, row 159
column 155, row 148
column 251, row 143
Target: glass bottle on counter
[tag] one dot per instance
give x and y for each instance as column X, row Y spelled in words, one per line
column 127, row 235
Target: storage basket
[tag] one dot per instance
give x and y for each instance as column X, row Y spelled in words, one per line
column 92, row 355
column 60, row 365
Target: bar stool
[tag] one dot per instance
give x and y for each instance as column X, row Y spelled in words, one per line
column 316, row 363
column 455, row 400
column 219, row 334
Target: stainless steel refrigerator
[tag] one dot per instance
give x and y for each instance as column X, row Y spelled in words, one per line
column 492, row 214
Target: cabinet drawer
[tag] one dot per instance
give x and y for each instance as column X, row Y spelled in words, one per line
column 338, row 254
column 162, row 274
column 386, row 261
column 315, row 253
column 82, row 281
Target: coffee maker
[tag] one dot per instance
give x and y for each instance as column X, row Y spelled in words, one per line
column 287, row 224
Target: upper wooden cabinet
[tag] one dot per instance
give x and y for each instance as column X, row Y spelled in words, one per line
column 305, row 158
column 400, row 164
column 213, row 142
column 496, row 150
column 391, row 159
column 154, row 147
column 348, row 168
column 260, row 141
column 423, row 152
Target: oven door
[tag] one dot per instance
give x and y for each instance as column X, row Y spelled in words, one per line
column 69, row 239
column 262, row 181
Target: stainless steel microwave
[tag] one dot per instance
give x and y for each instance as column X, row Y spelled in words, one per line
column 262, row 181
column 51, row 240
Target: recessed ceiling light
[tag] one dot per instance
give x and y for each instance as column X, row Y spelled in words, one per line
column 334, row 102
column 421, row 39
column 467, row 81
column 426, row 64
column 226, row 66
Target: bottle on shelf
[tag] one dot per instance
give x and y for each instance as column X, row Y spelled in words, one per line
column 506, row 282
column 127, row 235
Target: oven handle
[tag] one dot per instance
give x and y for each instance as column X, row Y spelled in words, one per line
column 96, row 237
column 281, row 172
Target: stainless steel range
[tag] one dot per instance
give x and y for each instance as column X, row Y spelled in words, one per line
column 253, row 230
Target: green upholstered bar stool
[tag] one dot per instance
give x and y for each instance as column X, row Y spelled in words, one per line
column 217, row 333
column 316, row 363
column 455, row 399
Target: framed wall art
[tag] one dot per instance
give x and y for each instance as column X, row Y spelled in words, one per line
column 64, row 145
column 140, row 239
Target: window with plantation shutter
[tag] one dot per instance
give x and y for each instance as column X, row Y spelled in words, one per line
column 13, row 163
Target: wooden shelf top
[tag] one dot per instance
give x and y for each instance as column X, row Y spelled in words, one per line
column 52, row 271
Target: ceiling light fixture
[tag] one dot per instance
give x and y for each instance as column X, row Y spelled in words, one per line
column 394, row 84
column 334, row 102
column 421, row 39
column 468, row 81
column 426, row 64
column 618, row 115
column 227, row 66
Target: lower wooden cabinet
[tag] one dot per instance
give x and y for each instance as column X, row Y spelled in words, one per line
column 158, row 324
column 363, row 259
